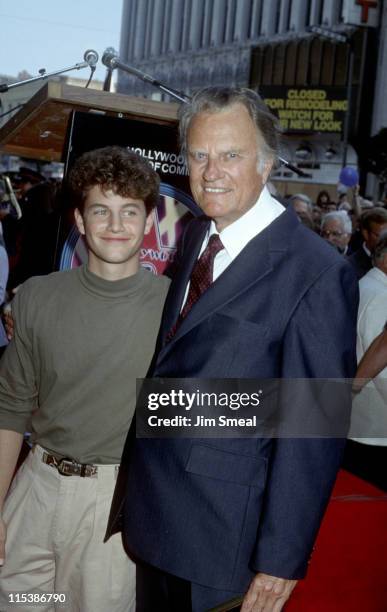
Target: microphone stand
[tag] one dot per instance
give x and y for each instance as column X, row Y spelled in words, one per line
column 44, row 75
column 108, row 80
column 301, row 173
column 115, row 62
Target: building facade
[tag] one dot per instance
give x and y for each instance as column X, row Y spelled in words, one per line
column 319, row 64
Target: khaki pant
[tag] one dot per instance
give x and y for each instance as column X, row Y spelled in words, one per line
column 55, row 530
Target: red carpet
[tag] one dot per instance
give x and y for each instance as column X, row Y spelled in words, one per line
column 348, row 571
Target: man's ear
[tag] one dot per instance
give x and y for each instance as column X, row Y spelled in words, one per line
column 148, row 223
column 79, row 221
column 266, row 170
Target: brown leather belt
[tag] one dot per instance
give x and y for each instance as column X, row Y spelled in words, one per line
column 69, row 467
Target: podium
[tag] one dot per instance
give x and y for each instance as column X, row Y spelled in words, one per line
column 39, row 129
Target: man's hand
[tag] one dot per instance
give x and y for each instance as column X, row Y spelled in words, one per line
column 7, row 316
column 3, row 535
column 267, row 594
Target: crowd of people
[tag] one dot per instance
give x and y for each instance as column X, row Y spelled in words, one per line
column 357, row 229
column 255, row 295
column 347, row 224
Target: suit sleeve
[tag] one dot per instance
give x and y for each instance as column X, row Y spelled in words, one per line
column 319, row 342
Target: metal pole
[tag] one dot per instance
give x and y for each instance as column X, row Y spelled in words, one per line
column 4, row 87
column 351, row 60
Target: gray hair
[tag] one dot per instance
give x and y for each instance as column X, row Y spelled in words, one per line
column 215, row 99
column 304, row 198
column 342, row 216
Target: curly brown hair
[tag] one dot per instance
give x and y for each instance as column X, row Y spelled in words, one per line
column 116, row 169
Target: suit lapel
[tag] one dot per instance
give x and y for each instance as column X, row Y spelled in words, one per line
column 250, row 267
column 191, row 249
column 253, row 263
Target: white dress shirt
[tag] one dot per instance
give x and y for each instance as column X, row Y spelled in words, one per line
column 369, row 408
column 238, row 234
column 235, row 236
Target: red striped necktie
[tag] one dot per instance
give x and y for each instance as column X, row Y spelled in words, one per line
column 201, row 278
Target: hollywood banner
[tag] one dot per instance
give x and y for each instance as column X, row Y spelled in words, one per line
column 158, row 144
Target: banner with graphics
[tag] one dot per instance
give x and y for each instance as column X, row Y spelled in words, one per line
column 158, row 144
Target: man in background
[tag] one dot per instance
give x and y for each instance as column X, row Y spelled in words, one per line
column 303, row 208
column 372, row 224
column 336, row 228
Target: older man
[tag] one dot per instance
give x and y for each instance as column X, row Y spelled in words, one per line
column 303, row 207
column 217, row 518
column 336, row 228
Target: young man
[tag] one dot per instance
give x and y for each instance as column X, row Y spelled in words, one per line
column 82, row 337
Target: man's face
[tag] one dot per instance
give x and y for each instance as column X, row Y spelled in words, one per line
column 114, row 228
column 302, row 209
column 330, row 207
column 224, row 150
column 372, row 235
column 334, row 233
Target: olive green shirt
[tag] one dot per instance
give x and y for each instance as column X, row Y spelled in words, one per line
column 80, row 343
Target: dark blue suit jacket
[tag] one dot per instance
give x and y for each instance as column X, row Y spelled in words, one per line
column 217, row 511
column 360, row 261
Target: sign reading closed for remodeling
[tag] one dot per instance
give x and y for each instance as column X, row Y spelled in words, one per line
column 305, row 109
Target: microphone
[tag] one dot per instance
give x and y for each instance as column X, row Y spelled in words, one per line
column 91, row 57
column 109, row 58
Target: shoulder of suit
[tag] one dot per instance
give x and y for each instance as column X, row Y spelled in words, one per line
column 360, row 252
column 198, row 223
column 315, row 249
column 195, row 228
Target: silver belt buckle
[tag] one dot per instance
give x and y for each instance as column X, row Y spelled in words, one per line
column 66, row 467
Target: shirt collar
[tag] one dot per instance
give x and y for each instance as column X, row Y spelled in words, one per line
column 366, row 249
column 236, row 235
